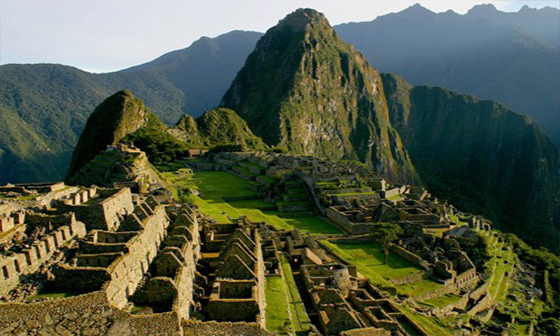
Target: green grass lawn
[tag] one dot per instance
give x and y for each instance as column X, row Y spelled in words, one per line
column 297, row 308
column 252, row 204
column 443, row 300
column 365, row 270
column 214, row 186
column 418, row 287
column 502, row 263
column 371, row 256
column 253, row 165
column 428, row 323
column 277, row 316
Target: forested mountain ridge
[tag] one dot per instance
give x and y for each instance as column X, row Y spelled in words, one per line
column 481, row 156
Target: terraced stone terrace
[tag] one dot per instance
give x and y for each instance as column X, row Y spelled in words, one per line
column 224, row 195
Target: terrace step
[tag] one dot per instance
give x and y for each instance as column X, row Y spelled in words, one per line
column 293, row 206
column 295, row 197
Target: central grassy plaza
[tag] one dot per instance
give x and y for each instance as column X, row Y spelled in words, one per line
column 217, row 187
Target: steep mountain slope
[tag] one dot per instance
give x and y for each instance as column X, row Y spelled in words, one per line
column 55, row 100
column 304, row 89
column 118, row 116
column 217, row 127
column 506, row 57
column 122, row 116
column 481, row 156
column 21, row 147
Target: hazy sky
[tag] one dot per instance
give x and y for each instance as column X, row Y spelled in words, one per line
column 108, row 35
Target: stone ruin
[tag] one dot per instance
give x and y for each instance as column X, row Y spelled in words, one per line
column 136, row 263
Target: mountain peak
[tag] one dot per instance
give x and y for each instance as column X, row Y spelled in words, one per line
column 301, row 19
column 484, row 9
column 116, row 117
column 281, row 94
column 417, row 9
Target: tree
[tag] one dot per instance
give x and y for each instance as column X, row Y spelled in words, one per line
column 384, row 234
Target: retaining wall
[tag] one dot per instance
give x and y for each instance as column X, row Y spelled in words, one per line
column 88, row 314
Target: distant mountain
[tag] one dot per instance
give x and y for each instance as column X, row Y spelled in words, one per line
column 203, row 71
column 304, row 89
column 482, row 157
column 48, row 104
column 543, row 23
column 513, row 58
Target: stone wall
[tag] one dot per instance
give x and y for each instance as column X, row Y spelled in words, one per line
column 88, row 314
column 114, row 208
column 459, row 305
column 411, row 257
column 408, row 279
column 195, row 328
column 341, row 198
column 30, row 259
column 47, row 200
column 339, row 218
column 447, row 288
column 366, row 332
column 127, row 271
column 121, row 277
column 344, row 222
column 486, row 302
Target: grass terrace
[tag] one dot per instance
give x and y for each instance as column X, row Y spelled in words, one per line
column 430, row 324
column 278, row 317
column 371, row 256
column 369, row 261
column 297, row 308
column 215, row 186
column 52, row 294
column 443, row 300
column 418, row 287
column 285, row 312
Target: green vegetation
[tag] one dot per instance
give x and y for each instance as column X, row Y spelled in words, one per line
column 418, row 287
column 277, row 315
column 369, row 260
column 442, row 301
column 215, row 186
column 160, row 146
column 53, row 101
column 501, row 264
column 52, row 294
column 430, row 324
column 326, row 85
column 297, row 308
column 219, row 127
column 466, row 165
column 371, row 256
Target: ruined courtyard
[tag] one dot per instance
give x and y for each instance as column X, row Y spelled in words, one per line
column 263, row 244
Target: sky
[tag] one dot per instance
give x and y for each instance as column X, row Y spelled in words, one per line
column 109, row 35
